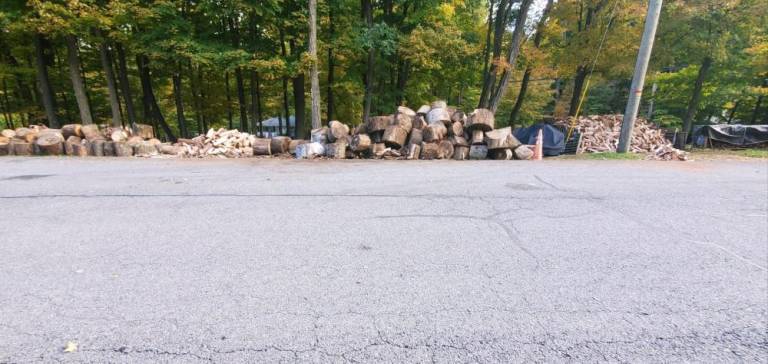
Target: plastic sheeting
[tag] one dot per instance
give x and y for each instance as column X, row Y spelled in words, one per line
column 554, row 140
column 736, row 134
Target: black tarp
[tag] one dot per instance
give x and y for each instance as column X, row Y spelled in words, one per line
column 554, row 140
column 736, row 134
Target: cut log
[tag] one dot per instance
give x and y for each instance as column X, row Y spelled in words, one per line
column 378, row 123
column 523, row 152
column 337, row 150
column 459, row 116
column 145, row 149
column 262, row 146
column 280, row 144
column 21, row 147
column 123, row 149
column 292, row 146
column 456, row 129
column 423, row 110
column 319, row 135
column 439, row 104
column 81, row 149
column 21, row 132
column 404, row 121
column 97, row 147
column 377, row 136
column 414, row 151
column 378, row 148
column 458, row 140
column 155, row 141
column 69, row 130
column 445, row 149
column 434, row 133
column 315, row 149
column 144, row 131
column 337, row 131
column 501, row 154
column 109, row 148
column 497, row 139
column 5, row 146
column 170, row 149
column 69, row 144
column 416, row 137
column 134, row 141
column 478, row 137
column 395, row 136
column 118, row 136
column 438, row 115
column 8, row 133
column 91, row 131
column 430, row 150
column 50, row 143
column 480, row 119
column 478, row 151
column 360, row 143
column 460, row 152
column 418, row 122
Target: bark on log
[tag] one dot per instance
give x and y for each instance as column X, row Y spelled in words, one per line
column 501, row 154
column 170, row 149
column 481, row 119
column 50, row 143
column 459, row 140
column 337, row 131
column 438, row 115
column 445, row 149
column 414, row 151
column 430, row 150
column 97, row 147
column 293, row 145
column 21, row 147
column 377, row 136
column 5, row 146
column 123, row 149
column 378, row 123
column 91, row 131
column 144, row 131
column 456, row 129
column 72, row 130
column 360, row 143
column 418, row 122
column 439, row 104
column 459, row 116
column 395, row 136
column 460, row 152
column 523, row 153
column 81, row 149
column 145, row 149
column 280, row 144
column 262, row 146
column 497, row 139
column 434, row 133
column 319, row 135
column 404, row 121
column 337, row 150
column 109, row 148
column 478, row 151
column 478, row 137
column 416, row 137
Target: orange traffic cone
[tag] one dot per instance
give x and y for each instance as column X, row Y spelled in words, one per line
column 538, row 149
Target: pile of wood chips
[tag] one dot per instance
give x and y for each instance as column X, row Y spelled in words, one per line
column 600, row 133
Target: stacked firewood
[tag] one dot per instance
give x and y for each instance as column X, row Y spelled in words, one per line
column 79, row 140
column 600, row 133
column 434, row 131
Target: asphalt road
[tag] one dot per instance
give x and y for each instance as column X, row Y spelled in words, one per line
column 383, row 261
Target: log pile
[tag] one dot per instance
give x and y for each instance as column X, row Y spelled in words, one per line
column 600, row 133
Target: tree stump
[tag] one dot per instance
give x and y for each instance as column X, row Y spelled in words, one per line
column 395, row 136
column 498, row 139
column 50, row 143
column 123, row 149
column 445, row 149
column 337, row 131
column 438, row 115
column 430, row 151
column 501, row 154
column 337, row 150
column 281, row 144
column 439, row 104
column 109, row 148
column 378, row 123
column 91, row 131
column 69, row 130
column 360, row 143
column 434, row 133
column 480, row 119
column 478, row 137
column 262, row 146
column 97, row 147
column 523, row 152
column 478, row 151
column 460, row 152
column 456, row 129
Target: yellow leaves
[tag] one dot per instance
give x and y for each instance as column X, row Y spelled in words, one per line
column 446, row 10
column 71, row 347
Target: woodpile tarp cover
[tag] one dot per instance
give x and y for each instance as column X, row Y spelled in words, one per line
column 736, row 134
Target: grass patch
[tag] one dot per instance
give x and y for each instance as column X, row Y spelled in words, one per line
column 613, row 156
column 730, row 153
column 755, row 153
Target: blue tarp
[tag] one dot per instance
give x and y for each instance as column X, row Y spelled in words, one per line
column 554, row 140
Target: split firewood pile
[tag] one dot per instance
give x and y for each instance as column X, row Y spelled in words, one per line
column 434, row 131
column 600, row 133
column 80, row 140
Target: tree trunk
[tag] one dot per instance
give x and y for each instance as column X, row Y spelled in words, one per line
column 368, row 81
column 125, row 85
column 286, row 110
column 528, row 69
column 256, row 102
column 179, row 101
column 241, row 100
column 44, row 82
column 151, row 107
column 314, row 78
column 733, row 111
column 73, row 58
column 114, row 101
column 514, row 50
column 500, row 26
column 693, row 104
column 331, row 30
column 201, row 85
column 578, row 88
column 197, row 104
column 756, row 111
column 487, row 48
column 298, row 99
column 229, row 100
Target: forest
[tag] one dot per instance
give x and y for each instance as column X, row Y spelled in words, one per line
column 185, row 66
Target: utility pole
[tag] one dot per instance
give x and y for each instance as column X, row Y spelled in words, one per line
column 638, row 79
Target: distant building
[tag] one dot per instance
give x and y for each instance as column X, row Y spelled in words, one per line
column 272, row 126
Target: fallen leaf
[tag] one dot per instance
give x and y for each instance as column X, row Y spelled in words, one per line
column 71, row 347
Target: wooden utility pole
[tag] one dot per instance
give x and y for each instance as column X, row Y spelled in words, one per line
column 314, row 77
column 638, row 79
